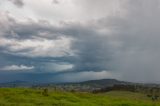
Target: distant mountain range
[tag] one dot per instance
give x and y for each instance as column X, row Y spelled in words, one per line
column 104, row 82
column 90, row 85
column 93, row 83
column 17, row 83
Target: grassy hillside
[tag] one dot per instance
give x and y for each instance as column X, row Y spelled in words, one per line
column 32, row 97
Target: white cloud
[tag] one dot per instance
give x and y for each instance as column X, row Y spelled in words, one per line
column 37, row 47
column 41, row 39
column 55, row 67
column 16, row 68
column 65, row 10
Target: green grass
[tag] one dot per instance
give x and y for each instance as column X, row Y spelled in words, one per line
column 33, row 97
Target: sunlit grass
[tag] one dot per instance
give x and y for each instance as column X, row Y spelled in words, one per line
column 34, row 97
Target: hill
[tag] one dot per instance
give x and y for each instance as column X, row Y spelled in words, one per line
column 86, row 86
column 103, row 82
column 93, row 83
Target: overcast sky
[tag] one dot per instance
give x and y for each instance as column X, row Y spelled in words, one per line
column 77, row 40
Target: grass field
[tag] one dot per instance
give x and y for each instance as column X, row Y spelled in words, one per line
column 32, row 97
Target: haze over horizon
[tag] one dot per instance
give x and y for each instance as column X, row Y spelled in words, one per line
column 78, row 40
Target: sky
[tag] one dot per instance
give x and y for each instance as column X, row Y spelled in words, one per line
column 78, row 40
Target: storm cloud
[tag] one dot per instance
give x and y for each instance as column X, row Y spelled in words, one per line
column 18, row 3
column 106, row 39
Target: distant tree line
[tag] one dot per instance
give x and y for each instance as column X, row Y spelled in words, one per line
column 152, row 92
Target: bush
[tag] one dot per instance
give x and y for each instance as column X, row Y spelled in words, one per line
column 45, row 92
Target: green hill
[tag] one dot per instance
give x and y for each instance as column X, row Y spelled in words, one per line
column 36, row 97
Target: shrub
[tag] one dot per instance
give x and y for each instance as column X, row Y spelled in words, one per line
column 45, row 92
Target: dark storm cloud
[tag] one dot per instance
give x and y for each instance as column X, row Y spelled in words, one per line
column 18, row 3
column 132, row 46
column 93, row 53
column 26, row 30
column 92, row 49
column 128, row 45
column 136, row 36
column 55, row 1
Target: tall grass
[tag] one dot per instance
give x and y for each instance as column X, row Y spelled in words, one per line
column 35, row 97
